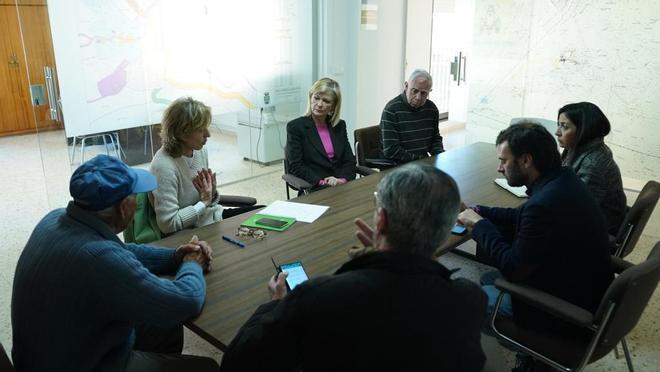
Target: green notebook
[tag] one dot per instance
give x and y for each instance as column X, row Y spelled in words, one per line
column 268, row 222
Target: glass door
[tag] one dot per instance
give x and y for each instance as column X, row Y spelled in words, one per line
column 43, row 90
column 451, row 45
column 95, row 77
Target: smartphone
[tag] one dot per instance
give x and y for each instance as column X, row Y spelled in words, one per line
column 270, row 222
column 458, row 229
column 296, row 273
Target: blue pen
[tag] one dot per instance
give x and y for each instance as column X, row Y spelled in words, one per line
column 233, row 241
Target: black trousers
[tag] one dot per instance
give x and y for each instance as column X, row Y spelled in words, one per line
column 159, row 350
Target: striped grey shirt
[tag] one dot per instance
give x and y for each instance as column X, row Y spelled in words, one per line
column 407, row 133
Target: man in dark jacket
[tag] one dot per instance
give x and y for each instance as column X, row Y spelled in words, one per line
column 394, row 309
column 556, row 241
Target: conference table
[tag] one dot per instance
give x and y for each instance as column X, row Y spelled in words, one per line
column 237, row 283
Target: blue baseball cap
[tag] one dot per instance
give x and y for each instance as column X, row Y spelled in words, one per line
column 105, row 180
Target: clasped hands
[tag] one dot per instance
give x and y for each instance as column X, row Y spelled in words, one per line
column 195, row 250
column 205, row 184
column 333, row 181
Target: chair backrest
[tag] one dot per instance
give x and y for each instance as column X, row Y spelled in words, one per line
column 636, row 218
column 5, row 363
column 630, row 292
column 550, row 125
column 287, row 185
column 367, row 143
column 144, row 227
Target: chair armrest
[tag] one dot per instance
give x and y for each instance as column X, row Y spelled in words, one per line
column 619, row 265
column 236, row 201
column 380, row 162
column 546, row 302
column 296, row 182
column 612, row 243
column 364, row 171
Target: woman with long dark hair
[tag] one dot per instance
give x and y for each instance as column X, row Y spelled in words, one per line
column 581, row 128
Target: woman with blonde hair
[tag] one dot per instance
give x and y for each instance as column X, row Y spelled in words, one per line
column 317, row 148
column 187, row 194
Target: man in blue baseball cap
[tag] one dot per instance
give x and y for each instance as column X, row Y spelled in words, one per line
column 83, row 300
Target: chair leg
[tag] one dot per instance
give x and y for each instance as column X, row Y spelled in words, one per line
column 82, row 149
column 145, row 142
column 119, row 150
column 616, row 352
column 72, row 155
column 624, row 346
column 151, row 140
column 115, row 144
column 288, row 197
column 105, row 145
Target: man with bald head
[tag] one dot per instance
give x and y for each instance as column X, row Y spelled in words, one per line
column 409, row 123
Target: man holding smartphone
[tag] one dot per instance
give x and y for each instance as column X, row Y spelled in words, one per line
column 556, row 241
column 394, row 308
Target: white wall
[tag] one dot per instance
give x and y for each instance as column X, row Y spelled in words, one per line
column 381, row 62
column 532, row 57
column 337, row 46
column 418, row 32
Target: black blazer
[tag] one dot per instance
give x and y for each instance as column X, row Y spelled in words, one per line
column 306, row 156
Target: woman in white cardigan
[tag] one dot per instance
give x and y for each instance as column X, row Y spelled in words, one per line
column 187, row 195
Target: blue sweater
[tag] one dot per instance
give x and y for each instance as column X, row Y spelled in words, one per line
column 78, row 292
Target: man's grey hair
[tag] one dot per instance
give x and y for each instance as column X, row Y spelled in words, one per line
column 420, row 73
column 421, row 204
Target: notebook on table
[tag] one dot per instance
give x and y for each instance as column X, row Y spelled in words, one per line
column 269, row 222
column 520, row 191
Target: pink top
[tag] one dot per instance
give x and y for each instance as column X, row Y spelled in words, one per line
column 324, row 133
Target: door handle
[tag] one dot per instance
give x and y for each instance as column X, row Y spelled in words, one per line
column 13, row 59
column 460, row 64
column 51, row 89
column 464, row 64
column 453, row 68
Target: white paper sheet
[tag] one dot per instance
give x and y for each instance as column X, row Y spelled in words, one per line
column 300, row 211
column 517, row 191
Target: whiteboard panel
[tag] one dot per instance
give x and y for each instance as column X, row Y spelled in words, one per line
column 121, row 62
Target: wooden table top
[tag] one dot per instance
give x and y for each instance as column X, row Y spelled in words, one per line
column 236, row 286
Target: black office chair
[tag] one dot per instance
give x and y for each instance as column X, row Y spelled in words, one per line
column 618, row 313
column 636, row 219
column 293, row 182
column 549, row 124
column 5, row 363
column 368, row 149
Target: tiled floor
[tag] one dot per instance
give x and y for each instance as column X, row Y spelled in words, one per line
column 26, row 162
